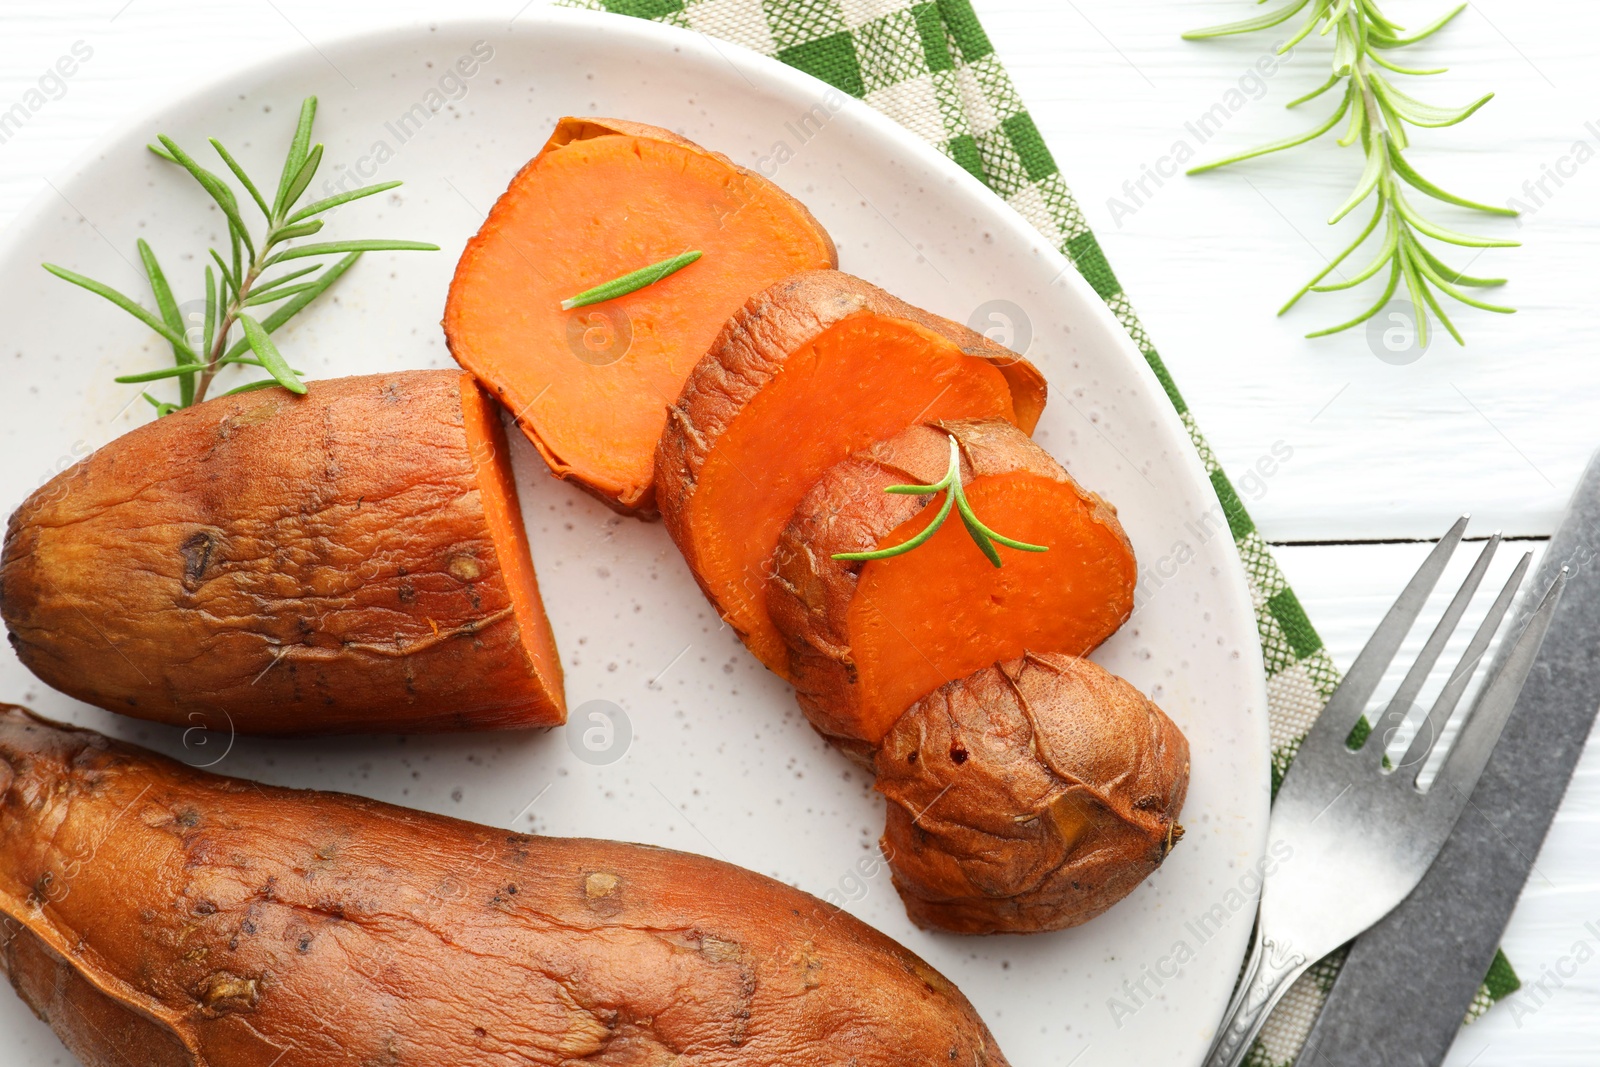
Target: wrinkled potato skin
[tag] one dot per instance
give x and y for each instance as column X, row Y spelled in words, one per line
column 810, row 594
column 278, row 564
column 1029, row 796
column 213, row 922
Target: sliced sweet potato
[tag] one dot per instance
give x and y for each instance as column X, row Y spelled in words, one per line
column 590, row 387
column 164, row 916
column 813, row 369
column 867, row 639
column 349, row 560
column 1030, row 795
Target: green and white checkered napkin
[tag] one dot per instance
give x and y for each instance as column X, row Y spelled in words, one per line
column 930, row 66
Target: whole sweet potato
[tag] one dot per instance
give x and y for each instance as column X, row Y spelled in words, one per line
column 348, row 560
column 182, row 919
column 1031, row 795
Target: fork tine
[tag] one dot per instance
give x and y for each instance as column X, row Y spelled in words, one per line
column 1400, row 706
column 1348, row 702
column 1464, row 763
column 1428, row 732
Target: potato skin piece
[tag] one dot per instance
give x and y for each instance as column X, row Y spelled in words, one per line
column 811, row 594
column 282, row 564
column 1029, row 796
column 214, row 922
column 752, row 350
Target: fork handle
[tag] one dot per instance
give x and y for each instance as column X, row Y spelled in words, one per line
column 1272, row 969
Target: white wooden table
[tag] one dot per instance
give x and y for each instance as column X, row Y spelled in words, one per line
column 1381, row 452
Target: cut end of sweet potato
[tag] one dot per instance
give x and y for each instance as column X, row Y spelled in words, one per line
column 491, row 456
column 808, row 372
column 590, row 387
column 868, row 639
column 1030, row 795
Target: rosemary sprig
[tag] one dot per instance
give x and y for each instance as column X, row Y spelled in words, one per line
column 1378, row 115
column 631, row 282
column 237, row 282
column 955, row 497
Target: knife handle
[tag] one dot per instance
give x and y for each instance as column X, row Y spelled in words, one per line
column 1271, row 970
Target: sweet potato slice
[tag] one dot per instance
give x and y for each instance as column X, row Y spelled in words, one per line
column 183, row 919
column 1030, row 795
column 813, row 369
column 868, row 639
column 590, row 387
column 349, row 560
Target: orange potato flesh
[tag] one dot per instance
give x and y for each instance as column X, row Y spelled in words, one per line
column 862, row 380
column 602, row 199
column 942, row 611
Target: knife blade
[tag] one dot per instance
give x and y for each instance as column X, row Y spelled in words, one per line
column 1408, row 981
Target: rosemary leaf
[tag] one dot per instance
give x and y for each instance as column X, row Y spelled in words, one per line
column 1279, row 146
column 1260, row 22
column 271, row 359
column 229, row 282
column 183, row 355
column 319, row 206
column 332, row 247
column 284, row 279
column 126, row 303
column 209, row 333
column 630, row 282
column 1409, row 175
column 1369, row 181
column 274, row 295
column 1381, row 40
column 303, row 229
column 976, row 533
column 187, row 371
column 1313, row 94
column 1388, row 291
column 1333, row 263
column 244, row 179
column 302, row 180
column 299, row 149
column 1453, row 276
column 213, row 185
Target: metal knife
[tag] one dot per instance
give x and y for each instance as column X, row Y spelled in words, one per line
column 1408, row 981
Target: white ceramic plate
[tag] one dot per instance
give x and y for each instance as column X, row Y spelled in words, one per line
column 720, row 760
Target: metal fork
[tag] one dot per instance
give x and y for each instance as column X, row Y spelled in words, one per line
column 1361, row 833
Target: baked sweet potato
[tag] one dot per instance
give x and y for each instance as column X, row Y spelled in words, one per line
column 1031, row 795
column 157, row 914
column 590, row 386
column 867, row 639
column 815, row 368
column 348, row 560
